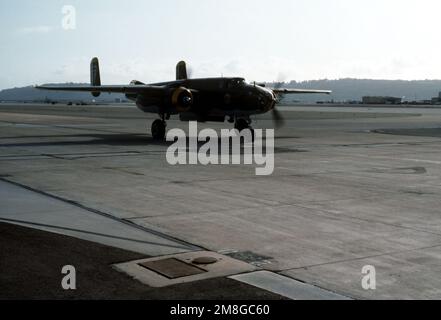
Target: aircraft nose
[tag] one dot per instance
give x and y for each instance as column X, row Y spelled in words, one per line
column 271, row 101
column 266, row 100
column 274, row 99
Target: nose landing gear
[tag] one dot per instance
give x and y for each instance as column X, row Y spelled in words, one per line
column 242, row 124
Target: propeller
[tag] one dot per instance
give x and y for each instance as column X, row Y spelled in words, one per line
column 278, row 84
column 277, row 117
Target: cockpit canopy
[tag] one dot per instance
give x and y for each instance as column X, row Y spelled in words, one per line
column 235, row 82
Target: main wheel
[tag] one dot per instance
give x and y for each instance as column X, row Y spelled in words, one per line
column 158, row 129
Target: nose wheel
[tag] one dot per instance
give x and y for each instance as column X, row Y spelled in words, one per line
column 158, row 129
column 241, row 124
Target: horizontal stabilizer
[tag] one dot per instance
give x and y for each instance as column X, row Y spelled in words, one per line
column 137, row 89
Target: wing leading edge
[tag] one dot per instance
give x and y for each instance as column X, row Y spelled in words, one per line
column 300, row 91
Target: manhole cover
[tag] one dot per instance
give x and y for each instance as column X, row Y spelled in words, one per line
column 172, row 268
column 169, row 270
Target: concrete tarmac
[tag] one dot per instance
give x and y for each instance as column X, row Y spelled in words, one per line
column 352, row 186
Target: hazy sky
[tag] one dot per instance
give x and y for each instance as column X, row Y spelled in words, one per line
column 259, row 40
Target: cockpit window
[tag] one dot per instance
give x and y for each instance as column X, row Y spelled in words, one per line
column 233, row 83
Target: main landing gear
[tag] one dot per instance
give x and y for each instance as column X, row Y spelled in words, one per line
column 158, row 129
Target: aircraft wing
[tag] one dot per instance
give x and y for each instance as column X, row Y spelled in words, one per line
column 300, row 91
column 145, row 89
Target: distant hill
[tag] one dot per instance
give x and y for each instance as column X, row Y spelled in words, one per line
column 32, row 94
column 355, row 89
column 343, row 90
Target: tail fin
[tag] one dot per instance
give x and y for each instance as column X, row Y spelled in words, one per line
column 95, row 78
column 181, row 71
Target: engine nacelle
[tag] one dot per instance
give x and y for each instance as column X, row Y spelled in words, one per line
column 182, row 99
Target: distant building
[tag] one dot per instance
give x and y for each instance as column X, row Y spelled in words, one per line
column 437, row 100
column 381, row 100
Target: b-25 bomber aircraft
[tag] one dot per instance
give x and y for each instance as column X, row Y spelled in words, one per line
column 202, row 100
